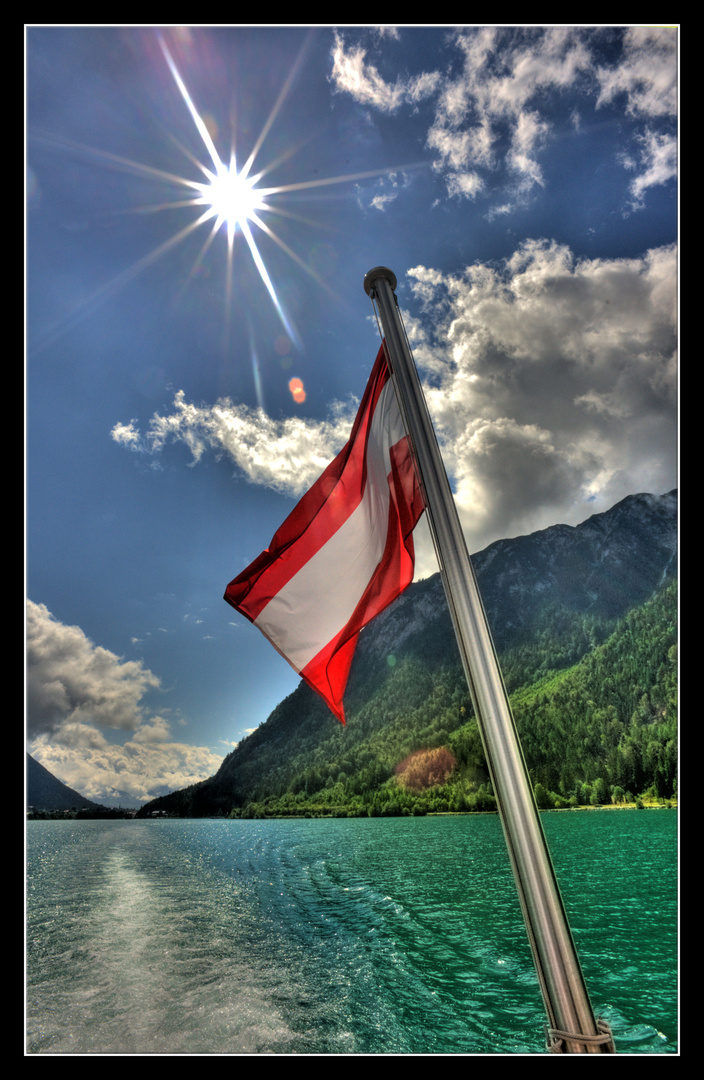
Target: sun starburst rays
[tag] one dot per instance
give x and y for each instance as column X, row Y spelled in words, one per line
column 231, row 196
column 227, row 199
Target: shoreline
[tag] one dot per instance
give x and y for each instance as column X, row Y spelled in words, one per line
column 67, row 815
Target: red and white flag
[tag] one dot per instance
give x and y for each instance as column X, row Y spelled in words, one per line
column 345, row 551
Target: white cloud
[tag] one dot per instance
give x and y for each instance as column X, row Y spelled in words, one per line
column 490, row 120
column 285, row 455
column 75, row 688
column 77, row 691
column 387, row 31
column 142, row 769
column 126, row 434
column 552, row 383
column 380, row 193
column 528, row 134
column 351, row 73
column 464, row 184
column 658, row 162
column 646, row 73
column 472, row 109
column 380, row 202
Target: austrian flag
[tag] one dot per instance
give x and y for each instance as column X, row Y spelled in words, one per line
column 345, row 551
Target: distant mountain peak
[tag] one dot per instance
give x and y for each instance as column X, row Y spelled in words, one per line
column 606, row 565
column 46, row 792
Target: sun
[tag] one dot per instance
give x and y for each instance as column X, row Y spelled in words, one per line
column 227, row 199
column 232, row 197
column 229, row 195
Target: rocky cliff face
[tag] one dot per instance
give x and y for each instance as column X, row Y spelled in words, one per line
column 604, row 566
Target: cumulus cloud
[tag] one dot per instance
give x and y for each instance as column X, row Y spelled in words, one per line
column 286, row 455
column 141, row 769
column 490, row 119
column 78, row 691
column 76, row 688
column 646, row 73
column 552, row 383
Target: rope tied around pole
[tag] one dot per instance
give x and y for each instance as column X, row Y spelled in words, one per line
column 555, row 1039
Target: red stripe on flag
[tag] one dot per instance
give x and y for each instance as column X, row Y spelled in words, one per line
column 335, row 563
column 318, row 515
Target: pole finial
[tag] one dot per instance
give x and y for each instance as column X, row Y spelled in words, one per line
column 379, row 272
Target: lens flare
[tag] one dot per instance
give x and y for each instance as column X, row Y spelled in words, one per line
column 297, row 390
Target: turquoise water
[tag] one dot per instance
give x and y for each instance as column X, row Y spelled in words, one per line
column 343, row 936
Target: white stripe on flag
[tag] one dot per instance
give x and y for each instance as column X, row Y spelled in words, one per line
column 318, row 602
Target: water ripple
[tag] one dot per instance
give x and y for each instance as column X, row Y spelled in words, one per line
column 339, row 936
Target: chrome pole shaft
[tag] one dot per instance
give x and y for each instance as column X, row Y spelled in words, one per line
column 559, row 972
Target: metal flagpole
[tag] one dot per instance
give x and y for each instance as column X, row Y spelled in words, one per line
column 572, row 1026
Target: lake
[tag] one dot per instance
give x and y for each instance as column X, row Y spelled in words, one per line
column 337, row 936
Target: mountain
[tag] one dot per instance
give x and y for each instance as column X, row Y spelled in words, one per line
column 45, row 792
column 562, row 577
column 584, row 621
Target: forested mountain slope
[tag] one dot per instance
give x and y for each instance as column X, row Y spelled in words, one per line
column 584, row 619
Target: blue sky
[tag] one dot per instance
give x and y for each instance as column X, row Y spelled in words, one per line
column 522, row 184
